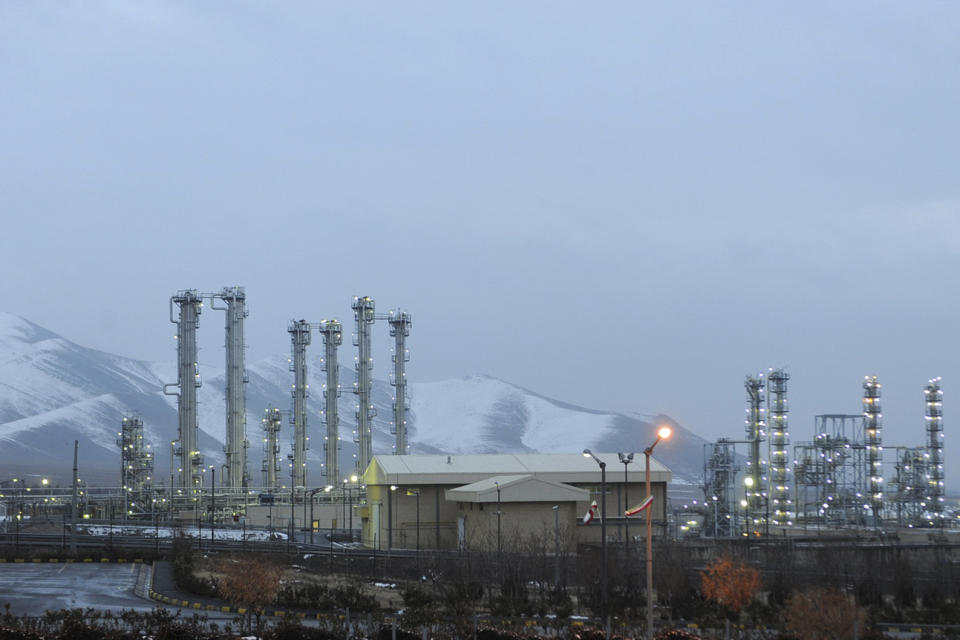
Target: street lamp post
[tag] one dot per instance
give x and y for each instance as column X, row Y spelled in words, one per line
column 662, row 434
column 556, row 546
column 313, row 493
column 499, row 546
column 293, row 501
column 393, row 488
column 626, row 458
column 416, row 492
column 603, row 531
column 213, row 501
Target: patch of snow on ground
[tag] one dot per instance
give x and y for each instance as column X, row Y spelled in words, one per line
column 452, row 414
column 553, row 429
column 147, row 531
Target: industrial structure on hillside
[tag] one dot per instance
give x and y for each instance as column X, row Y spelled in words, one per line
column 187, row 474
column 763, row 484
column 839, row 479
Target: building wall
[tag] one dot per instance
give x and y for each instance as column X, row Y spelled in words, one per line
column 395, row 520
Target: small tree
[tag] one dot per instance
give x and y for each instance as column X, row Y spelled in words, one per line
column 730, row 584
column 823, row 614
column 252, row 583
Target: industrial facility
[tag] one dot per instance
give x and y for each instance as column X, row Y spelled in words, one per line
column 843, row 478
column 189, row 474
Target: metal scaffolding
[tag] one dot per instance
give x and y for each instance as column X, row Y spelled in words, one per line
column 271, row 422
column 136, row 466
column 831, row 473
column 300, row 337
column 912, row 491
column 720, row 471
column 872, row 422
column 933, row 398
column 236, row 476
column 364, row 315
column 188, row 381
column 782, row 513
column 400, row 323
column 755, row 482
column 332, row 332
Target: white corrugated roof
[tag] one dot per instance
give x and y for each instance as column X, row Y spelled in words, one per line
column 526, row 488
column 463, row 469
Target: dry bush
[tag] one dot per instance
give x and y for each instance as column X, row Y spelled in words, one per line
column 729, row 583
column 252, row 583
column 823, row 614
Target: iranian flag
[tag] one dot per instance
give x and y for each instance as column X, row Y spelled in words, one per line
column 643, row 506
column 591, row 513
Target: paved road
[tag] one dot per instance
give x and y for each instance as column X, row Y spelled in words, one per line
column 31, row 589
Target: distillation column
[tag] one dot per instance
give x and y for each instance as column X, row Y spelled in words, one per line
column 236, row 376
column 934, row 417
column 400, row 323
column 300, row 337
column 872, row 421
column 756, row 432
column 188, row 381
column 779, row 440
column 363, row 311
column 271, row 448
column 332, row 332
column 136, row 459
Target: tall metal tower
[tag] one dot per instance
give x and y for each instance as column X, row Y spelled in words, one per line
column 271, row 448
column 934, row 418
column 400, row 323
column 720, row 480
column 779, row 441
column 754, row 482
column 872, row 422
column 188, row 381
column 300, row 336
column 332, row 332
column 136, row 460
column 236, row 445
column 912, row 497
column 363, row 312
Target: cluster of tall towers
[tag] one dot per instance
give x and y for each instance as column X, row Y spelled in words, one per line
column 185, row 310
column 186, row 449
column 837, row 479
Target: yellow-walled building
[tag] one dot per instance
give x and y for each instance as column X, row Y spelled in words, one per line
column 503, row 500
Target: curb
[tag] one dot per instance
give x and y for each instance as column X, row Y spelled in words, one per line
column 72, row 560
column 200, row 606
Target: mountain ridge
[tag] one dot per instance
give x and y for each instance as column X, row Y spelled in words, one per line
column 53, row 391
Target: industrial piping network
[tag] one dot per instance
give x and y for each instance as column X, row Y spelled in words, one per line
column 756, row 425
column 236, row 476
column 838, row 477
column 185, row 449
column 933, row 397
column 190, row 304
column 872, row 421
column 136, row 466
column 300, row 337
column 332, row 332
column 365, row 316
column 400, row 322
column 271, row 422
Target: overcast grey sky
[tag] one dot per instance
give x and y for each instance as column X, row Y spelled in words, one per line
column 625, row 206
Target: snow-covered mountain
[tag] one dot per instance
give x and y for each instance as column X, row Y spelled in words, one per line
column 53, row 391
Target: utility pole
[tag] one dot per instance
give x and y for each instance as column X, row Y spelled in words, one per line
column 73, row 502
